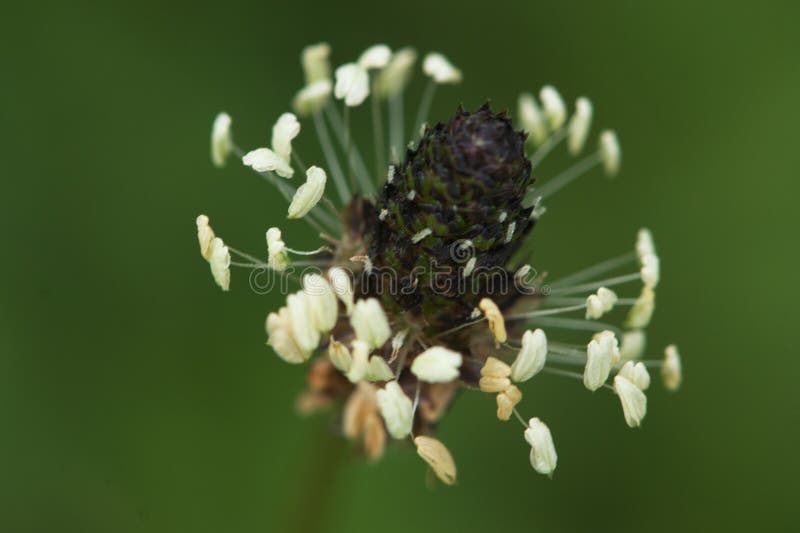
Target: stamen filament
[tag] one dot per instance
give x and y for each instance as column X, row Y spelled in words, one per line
column 521, row 420
column 545, row 148
column 424, row 106
column 594, row 270
column 354, row 160
column 331, row 159
column 608, row 282
column 396, row 124
column 546, row 312
column 577, row 324
column 569, row 175
column 377, row 132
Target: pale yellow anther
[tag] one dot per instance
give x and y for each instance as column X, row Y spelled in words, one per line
column 506, row 401
column 496, row 322
column 438, row 458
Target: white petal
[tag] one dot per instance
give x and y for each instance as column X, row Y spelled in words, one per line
column 308, row 194
column 633, row 400
column 543, row 451
column 265, row 160
column 396, row 409
column 360, row 364
column 651, row 270
column 221, row 139
column 395, row 76
column 437, row 365
column 323, row 305
column 608, row 298
column 352, row 84
column 312, row 97
column 277, row 256
column 315, row 62
column 281, row 338
column 632, row 344
column 340, row 356
column 220, row 262
column 608, row 341
column 579, row 124
column 285, row 129
column 598, row 365
column 303, row 329
column 644, row 243
column 438, row 458
column 379, row 369
column 610, row 153
column 554, row 109
column 531, row 118
column 594, row 307
column 642, row 311
column 531, row 358
column 671, row 372
column 370, row 323
column 636, row 373
column 376, row 56
column 205, row 236
column 440, row 69
column 342, row 286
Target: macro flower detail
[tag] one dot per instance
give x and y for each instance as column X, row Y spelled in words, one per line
column 543, row 452
column 221, row 139
column 424, row 283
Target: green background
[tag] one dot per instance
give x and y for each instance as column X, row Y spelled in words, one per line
column 135, row 396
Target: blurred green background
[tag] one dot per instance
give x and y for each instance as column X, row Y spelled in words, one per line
column 135, row 396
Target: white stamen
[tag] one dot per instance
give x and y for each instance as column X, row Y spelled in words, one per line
column 370, row 323
column 671, row 372
column 395, row 76
column 221, row 139
column 636, row 373
column 531, row 118
column 383, row 214
column 308, row 194
column 315, row 62
column 554, row 109
column 411, row 194
column 510, row 232
column 440, row 69
column 642, row 311
column 633, row 400
column 220, row 261
column 376, row 56
column 352, row 84
column 610, row 153
column 342, row 286
column 396, row 409
column 437, row 365
column 312, row 98
column 421, row 235
column 278, row 257
column 531, row 358
column 543, row 452
column 579, row 124
column 469, row 267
